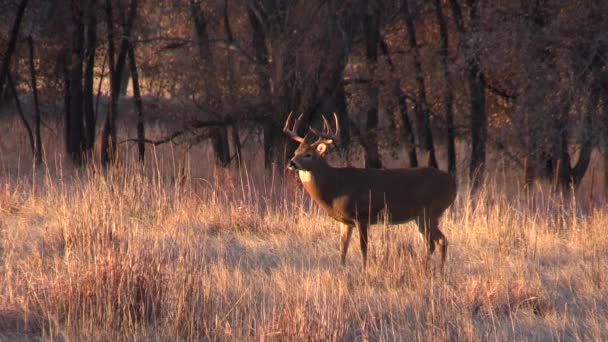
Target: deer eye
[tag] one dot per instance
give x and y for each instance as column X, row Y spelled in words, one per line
column 308, row 155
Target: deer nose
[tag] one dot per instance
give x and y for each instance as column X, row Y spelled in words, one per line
column 292, row 165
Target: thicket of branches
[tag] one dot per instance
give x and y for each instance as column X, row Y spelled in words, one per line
column 527, row 78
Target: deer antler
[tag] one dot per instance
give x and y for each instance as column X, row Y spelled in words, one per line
column 327, row 137
column 293, row 132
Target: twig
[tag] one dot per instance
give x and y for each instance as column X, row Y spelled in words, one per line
column 194, row 125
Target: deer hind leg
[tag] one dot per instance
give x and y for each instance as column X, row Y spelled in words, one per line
column 433, row 237
column 345, row 233
column 440, row 240
column 362, row 226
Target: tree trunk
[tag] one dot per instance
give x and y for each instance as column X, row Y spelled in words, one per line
column 560, row 150
column 267, row 138
column 341, row 106
column 372, row 156
column 88, row 93
column 604, row 94
column 108, row 142
column 232, row 91
column 448, row 95
column 26, row 125
column 108, row 134
column 261, row 56
column 421, row 106
column 236, row 142
column 37, row 136
column 285, row 99
column 219, row 135
column 476, row 81
column 603, row 91
column 260, row 51
column 220, row 146
column 408, row 131
column 124, row 82
column 372, row 40
column 479, row 122
column 550, row 160
column 121, row 74
column 75, row 125
column 141, row 134
column 12, row 43
column 65, row 71
column 578, row 171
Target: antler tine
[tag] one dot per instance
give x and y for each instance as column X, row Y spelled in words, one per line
column 327, row 136
column 293, row 132
column 286, row 126
column 326, row 127
column 337, row 133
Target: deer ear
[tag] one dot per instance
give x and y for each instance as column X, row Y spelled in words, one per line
column 322, row 149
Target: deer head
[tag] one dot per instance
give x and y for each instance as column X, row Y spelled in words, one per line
column 309, row 156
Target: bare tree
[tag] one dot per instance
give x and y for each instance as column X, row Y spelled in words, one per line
column 141, row 134
column 236, row 140
column 372, row 41
column 88, row 93
column 301, row 80
column 448, row 94
column 219, row 135
column 12, row 43
column 407, row 129
column 116, row 67
column 37, row 135
column 26, row 125
column 421, row 105
column 74, row 128
column 476, row 82
column 256, row 20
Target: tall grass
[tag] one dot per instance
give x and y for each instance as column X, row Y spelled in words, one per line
column 162, row 251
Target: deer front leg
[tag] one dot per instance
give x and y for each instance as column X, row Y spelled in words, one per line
column 429, row 228
column 345, row 232
column 363, row 240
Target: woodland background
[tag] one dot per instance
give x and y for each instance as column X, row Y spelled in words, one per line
column 526, row 79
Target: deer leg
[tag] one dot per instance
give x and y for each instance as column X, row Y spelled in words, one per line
column 429, row 228
column 345, row 232
column 440, row 240
column 362, row 226
column 424, row 227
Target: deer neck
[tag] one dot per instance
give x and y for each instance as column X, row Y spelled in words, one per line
column 317, row 181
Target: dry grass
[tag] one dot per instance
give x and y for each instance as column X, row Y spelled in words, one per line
column 151, row 255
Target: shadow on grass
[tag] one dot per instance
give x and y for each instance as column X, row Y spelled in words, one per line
column 18, row 325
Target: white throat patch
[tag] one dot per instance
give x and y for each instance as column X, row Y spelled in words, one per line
column 305, row 176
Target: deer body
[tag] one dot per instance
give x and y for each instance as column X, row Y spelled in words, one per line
column 351, row 194
column 359, row 197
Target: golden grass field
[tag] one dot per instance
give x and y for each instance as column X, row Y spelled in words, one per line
column 180, row 249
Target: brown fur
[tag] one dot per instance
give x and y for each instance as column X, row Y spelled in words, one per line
column 360, row 197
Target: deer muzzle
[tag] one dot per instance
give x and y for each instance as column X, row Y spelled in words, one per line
column 292, row 165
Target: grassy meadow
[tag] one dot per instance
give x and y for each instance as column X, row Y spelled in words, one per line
column 180, row 249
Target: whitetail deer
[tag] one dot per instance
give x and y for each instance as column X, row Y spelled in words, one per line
column 359, row 197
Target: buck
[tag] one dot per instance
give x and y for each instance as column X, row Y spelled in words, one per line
column 358, row 197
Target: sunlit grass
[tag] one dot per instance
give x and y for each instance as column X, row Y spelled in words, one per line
column 180, row 249
column 127, row 252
